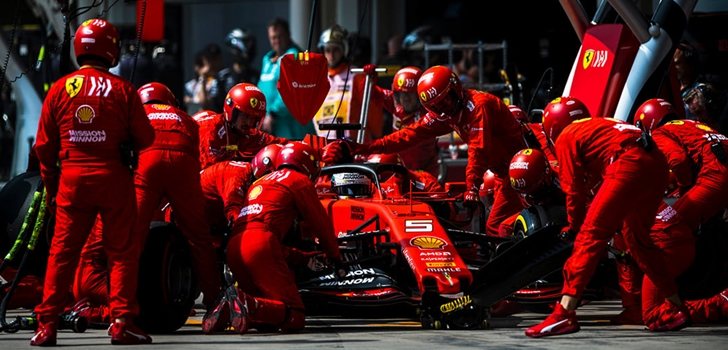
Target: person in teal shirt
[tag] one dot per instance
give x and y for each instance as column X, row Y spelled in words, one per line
column 278, row 120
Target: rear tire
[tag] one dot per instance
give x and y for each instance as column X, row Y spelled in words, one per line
column 167, row 285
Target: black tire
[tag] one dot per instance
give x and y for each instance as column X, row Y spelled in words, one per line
column 15, row 200
column 529, row 220
column 167, row 285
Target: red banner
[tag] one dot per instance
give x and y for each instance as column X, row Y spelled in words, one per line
column 150, row 14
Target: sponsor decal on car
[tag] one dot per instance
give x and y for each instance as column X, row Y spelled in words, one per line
column 441, row 264
column 357, row 213
column 428, row 242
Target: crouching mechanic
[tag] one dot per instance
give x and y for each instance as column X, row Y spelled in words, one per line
column 481, row 119
column 697, row 156
column 255, row 253
column 225, row 185
column 633, row 177
column 234, row 133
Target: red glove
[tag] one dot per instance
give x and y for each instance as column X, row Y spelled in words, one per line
column 339, row 151
column 371, row 71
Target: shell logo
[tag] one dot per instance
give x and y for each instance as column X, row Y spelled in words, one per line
column 428, row 242
column 255, row 192
column 161, row 107
column 85, row 114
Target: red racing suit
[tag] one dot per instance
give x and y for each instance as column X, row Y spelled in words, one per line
column 594, row 150
column 690, row 148
column 86, row 117
column 224, row 186
column 492, row 134
column 546, row 147
column 422, row 156
column 218, row 144
column 168, row 170
column 255, row 253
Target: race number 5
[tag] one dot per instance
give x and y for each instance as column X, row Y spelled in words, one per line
column 418, row 226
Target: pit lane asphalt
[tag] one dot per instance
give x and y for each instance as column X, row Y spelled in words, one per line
column 380, row 334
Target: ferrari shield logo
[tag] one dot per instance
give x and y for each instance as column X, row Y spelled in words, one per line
column 254, row 102
column 588, row 58
column 73, row 85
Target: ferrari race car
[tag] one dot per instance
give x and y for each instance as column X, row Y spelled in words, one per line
column 398, row 251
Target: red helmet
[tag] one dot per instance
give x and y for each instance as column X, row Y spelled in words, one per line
column 299, row 156
column 653, row 113
column 489, row 182
column 405, row 80
column 561, row 112
column 99, row 38
column 529, row 170
column 440, row 91
column 384, row 158
column 263, row 161
column 156, row 92
column 518, row 113
column 247, row 99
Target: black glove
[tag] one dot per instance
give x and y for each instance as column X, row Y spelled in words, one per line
column 340, row 269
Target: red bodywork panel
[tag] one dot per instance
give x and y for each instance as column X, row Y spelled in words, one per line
column 424, row 242
column 602, row 67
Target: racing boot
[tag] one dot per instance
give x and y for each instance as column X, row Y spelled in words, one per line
column 668, row 317
column 713, row 309
column 127, row 333
column 46, row 333
column 217, row 317
column 723, row 302
column 95, row 315
column 239, row 303
column 266, row 315
column 561, row 321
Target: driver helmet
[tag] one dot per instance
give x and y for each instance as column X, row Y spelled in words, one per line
column 351, row 185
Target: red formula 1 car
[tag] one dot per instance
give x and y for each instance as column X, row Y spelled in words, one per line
column 399, row 253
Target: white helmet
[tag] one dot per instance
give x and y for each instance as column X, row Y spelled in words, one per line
column 336, row 35
column 353, row 185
